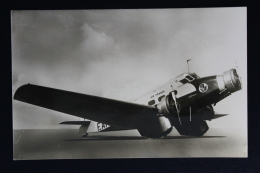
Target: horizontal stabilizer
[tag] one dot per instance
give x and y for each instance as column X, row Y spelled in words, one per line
column 219, row 116
column 85, row 123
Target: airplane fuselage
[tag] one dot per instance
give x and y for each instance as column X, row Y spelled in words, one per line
column 193, row 100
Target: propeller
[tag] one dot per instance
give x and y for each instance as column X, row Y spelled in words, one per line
column 175, row 102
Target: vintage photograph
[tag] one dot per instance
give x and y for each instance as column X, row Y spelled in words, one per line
column 132, row 83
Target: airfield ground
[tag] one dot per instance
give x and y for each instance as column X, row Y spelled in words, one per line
column 65, row 144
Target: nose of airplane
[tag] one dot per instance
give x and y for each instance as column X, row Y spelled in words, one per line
column 229, row 80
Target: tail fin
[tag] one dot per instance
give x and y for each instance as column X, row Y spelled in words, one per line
column 83, row 129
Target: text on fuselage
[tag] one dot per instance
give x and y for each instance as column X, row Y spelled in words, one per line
column 157, row 94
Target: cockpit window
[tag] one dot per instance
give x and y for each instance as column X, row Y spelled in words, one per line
column 188, row 77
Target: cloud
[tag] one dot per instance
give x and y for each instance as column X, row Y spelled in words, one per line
column 96, row 46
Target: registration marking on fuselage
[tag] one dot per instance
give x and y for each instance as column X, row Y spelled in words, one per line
column 101, row 126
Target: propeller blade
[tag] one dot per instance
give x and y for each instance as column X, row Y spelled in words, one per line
column 175, row 102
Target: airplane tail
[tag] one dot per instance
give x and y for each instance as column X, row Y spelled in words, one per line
column 84, row 126
column 92, row 127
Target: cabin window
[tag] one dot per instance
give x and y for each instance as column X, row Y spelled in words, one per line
column 189, row 77
column 160, row 98
column 151, row 102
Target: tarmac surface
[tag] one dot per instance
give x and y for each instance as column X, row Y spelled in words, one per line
column 66, row 144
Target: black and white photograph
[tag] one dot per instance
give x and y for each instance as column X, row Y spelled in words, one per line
column 129, row 83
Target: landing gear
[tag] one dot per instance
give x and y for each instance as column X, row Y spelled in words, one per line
column 196, row 127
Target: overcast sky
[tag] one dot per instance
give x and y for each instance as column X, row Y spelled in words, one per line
column 122, row 54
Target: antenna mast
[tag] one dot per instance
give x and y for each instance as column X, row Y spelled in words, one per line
column 188, row 65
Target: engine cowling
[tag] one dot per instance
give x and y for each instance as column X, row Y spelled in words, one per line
column 167, row 106
column 229, row 80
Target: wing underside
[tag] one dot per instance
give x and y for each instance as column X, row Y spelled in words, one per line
column 113, row 112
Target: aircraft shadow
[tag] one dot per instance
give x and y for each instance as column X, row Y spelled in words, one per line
column 90, row 138
column 104, row 138
column 192, row 137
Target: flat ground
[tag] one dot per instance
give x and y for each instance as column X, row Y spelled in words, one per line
column 65, row 144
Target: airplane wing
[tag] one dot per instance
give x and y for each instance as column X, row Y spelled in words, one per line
column 108, row 111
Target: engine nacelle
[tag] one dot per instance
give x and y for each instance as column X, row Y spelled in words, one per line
column 229, row 80
column 195, row 127
column 160, row 125
column 158, row 128
column 167, row 106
